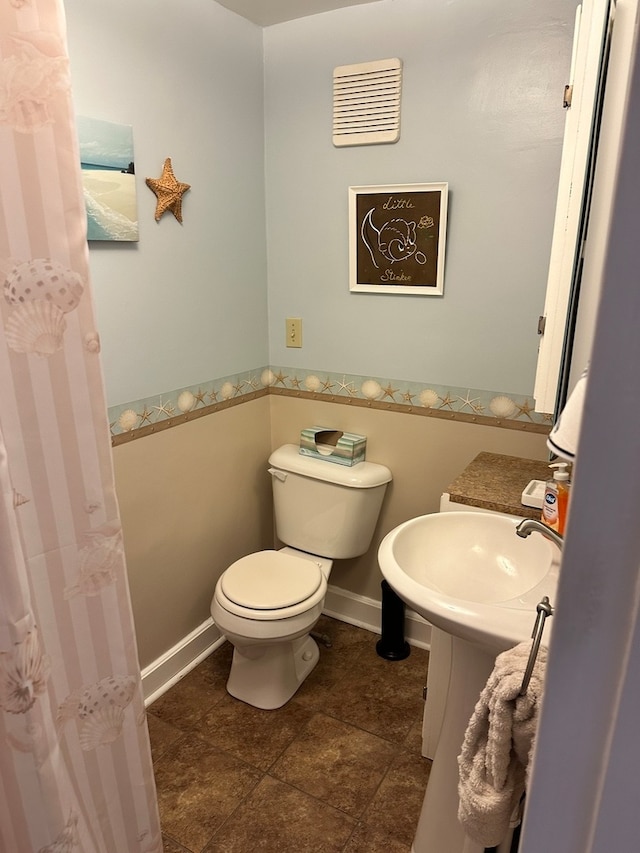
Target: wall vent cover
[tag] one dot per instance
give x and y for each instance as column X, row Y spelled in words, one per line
column 366, row 103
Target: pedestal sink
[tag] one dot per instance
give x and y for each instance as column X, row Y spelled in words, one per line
column 471, row 576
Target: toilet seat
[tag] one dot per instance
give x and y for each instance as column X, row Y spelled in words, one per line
column 271, row 585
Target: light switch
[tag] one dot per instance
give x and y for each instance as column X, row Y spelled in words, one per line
column 294, row 331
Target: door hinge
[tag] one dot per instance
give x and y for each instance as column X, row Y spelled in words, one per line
column 542, row 322
column 567, row 96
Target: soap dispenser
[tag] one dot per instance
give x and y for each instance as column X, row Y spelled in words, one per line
column 556, row 498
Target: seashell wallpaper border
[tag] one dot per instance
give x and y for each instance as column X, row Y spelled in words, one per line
column 144, row 417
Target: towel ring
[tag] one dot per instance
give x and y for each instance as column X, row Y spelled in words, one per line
column 543, row 609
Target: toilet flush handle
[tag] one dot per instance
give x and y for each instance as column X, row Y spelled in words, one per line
column 280, row 475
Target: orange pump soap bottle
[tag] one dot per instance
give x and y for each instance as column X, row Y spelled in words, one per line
column 556, row 498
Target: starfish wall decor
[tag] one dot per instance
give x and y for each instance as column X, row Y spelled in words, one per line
column 169, row 191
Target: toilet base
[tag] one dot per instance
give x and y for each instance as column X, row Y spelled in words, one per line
column 267, row 676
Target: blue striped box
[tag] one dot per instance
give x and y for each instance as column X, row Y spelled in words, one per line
column 333, row 445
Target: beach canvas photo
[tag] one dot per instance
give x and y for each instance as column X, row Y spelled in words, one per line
column 108, row 179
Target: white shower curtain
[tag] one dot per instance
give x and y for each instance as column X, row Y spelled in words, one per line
column 75, row 764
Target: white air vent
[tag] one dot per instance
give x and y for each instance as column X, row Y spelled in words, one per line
column 366, row 102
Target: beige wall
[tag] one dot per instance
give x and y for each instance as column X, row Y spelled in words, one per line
column 193, row 499
column 424, row 454
column 196, row 497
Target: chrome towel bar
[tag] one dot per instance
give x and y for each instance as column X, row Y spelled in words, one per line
column 543, row 609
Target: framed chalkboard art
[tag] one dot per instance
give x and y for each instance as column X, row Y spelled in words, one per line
column 397, row 238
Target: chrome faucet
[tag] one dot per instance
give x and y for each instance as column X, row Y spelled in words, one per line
column 529, row 525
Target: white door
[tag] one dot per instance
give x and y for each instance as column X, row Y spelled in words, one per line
column 584, row 97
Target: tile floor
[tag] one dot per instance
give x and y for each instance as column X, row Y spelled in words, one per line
column 338, row 769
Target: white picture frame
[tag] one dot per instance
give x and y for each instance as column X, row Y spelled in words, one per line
column 397, row 235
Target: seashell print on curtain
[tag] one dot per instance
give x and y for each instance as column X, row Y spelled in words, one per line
column 66, row 840
column 75, row 768
column 41, row 292
column 98, row 561
column 34, row 69
column 23, row 673
column 99, row 710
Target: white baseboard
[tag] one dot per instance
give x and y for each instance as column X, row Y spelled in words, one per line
column 176, row 662
column 341, row 604
column 367, row 613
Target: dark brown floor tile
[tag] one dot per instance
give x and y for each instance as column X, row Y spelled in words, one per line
column 332, row 667
column 396, row 806
column 336, row 762
column 215, row 668
column 413, row 741
column 161, row 735
column 190, row 699
column 383, row 697
column 277, row 818
column 251, row 734
column 410, row 671
column 344, row 636
column 330, row 766
column 198, row 787
column 171, row 846
column 336, row 663
column 370, row 839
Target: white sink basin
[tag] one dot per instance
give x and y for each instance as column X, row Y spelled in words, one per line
column 471, row 575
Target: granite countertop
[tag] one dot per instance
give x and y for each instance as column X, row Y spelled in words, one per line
column 494, row 481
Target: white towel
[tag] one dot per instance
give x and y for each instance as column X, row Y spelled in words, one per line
column 497, row 746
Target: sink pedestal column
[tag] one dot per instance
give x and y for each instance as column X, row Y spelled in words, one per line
column 439, row 830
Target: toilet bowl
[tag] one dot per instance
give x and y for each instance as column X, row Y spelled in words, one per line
column 266, row 603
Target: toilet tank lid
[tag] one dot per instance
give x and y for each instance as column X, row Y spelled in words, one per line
column 363, row 475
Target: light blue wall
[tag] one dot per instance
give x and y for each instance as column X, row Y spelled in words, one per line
column 188, row 302
column 481, row 109
column 203, row 302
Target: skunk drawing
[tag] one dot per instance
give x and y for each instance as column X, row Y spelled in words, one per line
column 395, row 241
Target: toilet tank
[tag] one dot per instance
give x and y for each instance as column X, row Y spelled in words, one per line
column 324, row 508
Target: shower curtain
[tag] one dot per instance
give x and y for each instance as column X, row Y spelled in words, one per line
column 75, row 763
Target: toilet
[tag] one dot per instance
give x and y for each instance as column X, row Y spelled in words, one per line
column 267, row 602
